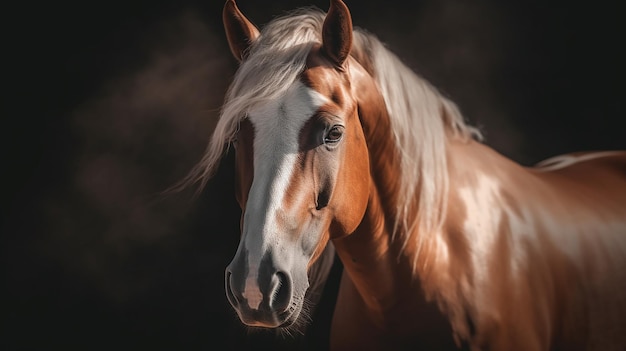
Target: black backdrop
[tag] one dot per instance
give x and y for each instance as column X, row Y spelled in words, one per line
column 107, row 103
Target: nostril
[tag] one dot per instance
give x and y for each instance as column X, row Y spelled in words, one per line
column 232, row 297
column 322, row 198
column 281, row 294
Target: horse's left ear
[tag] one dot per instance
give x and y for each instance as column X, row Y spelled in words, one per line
column 240, row 32
column 337, row 32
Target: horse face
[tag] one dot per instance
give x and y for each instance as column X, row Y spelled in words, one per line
column 302, row 178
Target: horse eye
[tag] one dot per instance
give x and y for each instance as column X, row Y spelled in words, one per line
column 334, row 135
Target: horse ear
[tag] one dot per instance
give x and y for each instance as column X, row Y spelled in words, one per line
column 337, row 32
column 240, row 32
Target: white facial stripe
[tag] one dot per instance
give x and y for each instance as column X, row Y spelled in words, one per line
column 277, row 126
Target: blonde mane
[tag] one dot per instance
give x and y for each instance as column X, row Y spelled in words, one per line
column 420, row 115
column 420, row 120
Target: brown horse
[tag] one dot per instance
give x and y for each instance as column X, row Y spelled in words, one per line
column 444, row 242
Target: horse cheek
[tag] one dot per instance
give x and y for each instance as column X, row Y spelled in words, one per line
column 353, row 185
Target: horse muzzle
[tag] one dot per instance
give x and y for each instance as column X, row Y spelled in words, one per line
column 264, row 296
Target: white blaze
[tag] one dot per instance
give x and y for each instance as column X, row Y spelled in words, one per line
column 277, row 125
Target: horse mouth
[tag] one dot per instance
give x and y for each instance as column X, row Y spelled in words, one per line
column 283, row 320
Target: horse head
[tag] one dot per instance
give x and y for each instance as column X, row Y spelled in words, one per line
column 302, row 167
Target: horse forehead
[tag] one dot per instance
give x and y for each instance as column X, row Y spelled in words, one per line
column 324, row 78
column 286, row 115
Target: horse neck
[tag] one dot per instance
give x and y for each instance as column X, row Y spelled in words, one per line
column 395, row 271
column 390, row 272
column 376, row 260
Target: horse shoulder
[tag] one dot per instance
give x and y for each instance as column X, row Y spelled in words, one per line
column 529, row 242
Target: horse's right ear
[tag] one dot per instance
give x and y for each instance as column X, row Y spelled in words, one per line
column 240, row 32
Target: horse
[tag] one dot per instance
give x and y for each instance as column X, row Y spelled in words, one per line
column 343, row 151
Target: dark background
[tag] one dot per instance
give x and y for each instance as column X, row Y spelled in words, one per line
column 107, row 103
